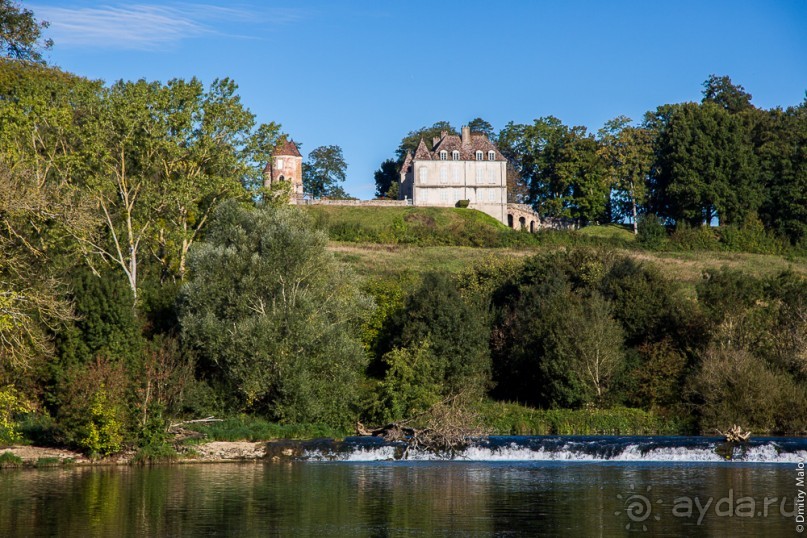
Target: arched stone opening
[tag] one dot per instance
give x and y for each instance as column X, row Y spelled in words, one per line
column 522, row 223
column 510, row 220
column 532, row 226
column 281, row 178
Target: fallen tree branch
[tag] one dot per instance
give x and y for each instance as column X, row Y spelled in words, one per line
column 448, row 428
column 195, row 421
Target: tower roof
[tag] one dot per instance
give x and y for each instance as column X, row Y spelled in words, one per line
column 288, row 148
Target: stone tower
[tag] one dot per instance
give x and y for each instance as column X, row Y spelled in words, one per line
column 286, row 165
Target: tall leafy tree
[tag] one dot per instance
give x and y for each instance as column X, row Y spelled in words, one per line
column 40, row 167
column 164, row 156
column 274, row 316
column 324, row 170
column 628, row 154
column 21, row 33
column 783, row 164
column 204, row 156
column 705, row 165
column 561, row 167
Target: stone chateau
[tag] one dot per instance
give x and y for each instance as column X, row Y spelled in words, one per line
column 467, row 167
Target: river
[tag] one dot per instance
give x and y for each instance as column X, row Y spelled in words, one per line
column 509, row 487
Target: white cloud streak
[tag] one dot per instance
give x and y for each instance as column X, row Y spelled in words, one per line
column 151, row 26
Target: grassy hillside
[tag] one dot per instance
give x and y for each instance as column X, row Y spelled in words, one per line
column 380, row 241
column 422, row 226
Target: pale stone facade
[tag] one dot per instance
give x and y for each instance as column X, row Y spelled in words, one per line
column 469, row 167
column 286, row 165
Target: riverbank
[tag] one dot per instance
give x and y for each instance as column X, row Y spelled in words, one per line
column 210, row 452
column 513, row 448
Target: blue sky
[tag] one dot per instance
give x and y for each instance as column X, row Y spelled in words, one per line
column 362, row 74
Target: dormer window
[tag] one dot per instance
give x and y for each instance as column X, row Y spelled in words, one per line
column 443, row 155
column 491, row 155
column 455, row 155
column 478, row 155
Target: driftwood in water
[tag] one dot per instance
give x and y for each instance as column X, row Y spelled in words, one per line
column 735, row 434
column 447, row 428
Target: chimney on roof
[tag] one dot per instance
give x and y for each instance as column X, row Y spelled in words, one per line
column 435, row 140
column 466, row 134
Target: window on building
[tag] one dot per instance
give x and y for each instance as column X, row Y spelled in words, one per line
column 455, row 155
column 443, row 174
column 492, row 195
column 480, row 174
column 478, row 155
column 491, row 175
column 424, row 174
column 455, row 174
column 443, row 155
column 444, row 195
column 491, row 155
column 278, row 163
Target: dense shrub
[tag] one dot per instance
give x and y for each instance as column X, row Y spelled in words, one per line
column 686, row 237
column 456, row 329
column 737, row 388
column 650, row 231
column 92, row 416
column 12, row 406
column 412, row 384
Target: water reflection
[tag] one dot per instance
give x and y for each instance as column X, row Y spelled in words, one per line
column 386, row 499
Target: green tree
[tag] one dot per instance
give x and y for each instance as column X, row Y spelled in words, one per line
column 164, row 156
column 530, row 336
column 412, row 384
column 783, row 163
column 323, row 171
column 385, row 177
column 106, row 325
column 737, row 388
column 456, row 329
column 410, row 142
column 722, row 92
column 206, row 137
column 478, row 125
column 273, row 316
column 21, row 33
column 92, row 415
column 39, row 168
column 561, row 166
column 705, row 165
column 594, row 345
column 628, row 154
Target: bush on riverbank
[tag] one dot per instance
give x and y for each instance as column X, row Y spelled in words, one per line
column 514, row 419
